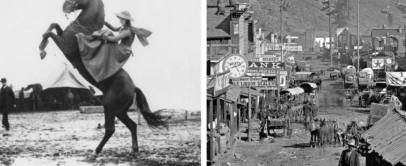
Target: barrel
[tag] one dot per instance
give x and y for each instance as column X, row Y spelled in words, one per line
column 223, row 144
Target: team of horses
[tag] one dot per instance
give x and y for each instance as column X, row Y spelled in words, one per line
column 329, row 132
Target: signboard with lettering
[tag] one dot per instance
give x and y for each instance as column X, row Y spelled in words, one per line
column 267, row 58
column 292, row 48
column 265, row 72
column 274, row 46
column 259, row 82
column 269, row 65
column 221, row 83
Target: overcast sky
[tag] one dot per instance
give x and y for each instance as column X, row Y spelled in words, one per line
column 168, row 70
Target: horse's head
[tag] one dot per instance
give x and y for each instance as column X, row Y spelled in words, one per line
column 70, row 5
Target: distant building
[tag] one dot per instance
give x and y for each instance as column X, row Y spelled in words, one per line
column 229, row 30
column 389, row 40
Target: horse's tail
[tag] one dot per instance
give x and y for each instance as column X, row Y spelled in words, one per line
column 154, row 119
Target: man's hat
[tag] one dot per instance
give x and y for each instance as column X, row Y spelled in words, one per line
column 351, row 142
column 3, row 80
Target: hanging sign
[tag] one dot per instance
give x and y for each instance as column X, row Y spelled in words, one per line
column 377, row 63
column 269, row 65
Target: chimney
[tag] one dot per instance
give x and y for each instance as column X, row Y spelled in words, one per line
column 260, row 31
column 233, row 2
column 400, row 29
column 272, row 38
column 383, row 26
column 221, row 6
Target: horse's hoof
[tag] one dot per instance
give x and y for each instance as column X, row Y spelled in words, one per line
column 92, row 156
column 43, row 54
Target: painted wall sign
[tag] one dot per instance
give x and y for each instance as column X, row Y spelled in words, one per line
column 269, row 65
column 265, row 72
column 377, row 63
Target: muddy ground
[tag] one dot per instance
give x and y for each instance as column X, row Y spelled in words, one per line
column 69, row 137
column 296, row 151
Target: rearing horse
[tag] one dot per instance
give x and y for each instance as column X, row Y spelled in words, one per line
column 118, row 89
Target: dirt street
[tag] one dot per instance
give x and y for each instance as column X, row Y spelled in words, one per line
column 68, row 137
column 296, row 151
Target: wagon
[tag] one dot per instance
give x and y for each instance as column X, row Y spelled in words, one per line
column 277, row 121
column 296, row 98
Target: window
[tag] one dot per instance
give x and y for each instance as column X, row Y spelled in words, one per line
column 236, row 29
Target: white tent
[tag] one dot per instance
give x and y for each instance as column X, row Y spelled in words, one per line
column 26, row 93
column 68, row 77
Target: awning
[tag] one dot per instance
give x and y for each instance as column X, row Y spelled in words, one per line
column 396, row 78
column 293, row 91
column 308, row 85
column 303, row 73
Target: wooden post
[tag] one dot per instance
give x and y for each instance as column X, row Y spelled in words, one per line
column 218, row 112
column 224, row 108
column 256, row 108
column 211, row 131
column 186, row 115
column 249, row 113
column 233, row 124
column 239, row 121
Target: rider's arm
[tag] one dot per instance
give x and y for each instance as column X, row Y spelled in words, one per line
column 117, row 38
column 113, row 28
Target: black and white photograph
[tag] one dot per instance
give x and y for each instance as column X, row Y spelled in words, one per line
column 305, row 83
column 100, row 82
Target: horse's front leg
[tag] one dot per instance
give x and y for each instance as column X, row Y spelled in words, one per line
column 47, row 34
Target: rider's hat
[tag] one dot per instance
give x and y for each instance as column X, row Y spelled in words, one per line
column 125, row 15
column 3, row 80
column 351, row 142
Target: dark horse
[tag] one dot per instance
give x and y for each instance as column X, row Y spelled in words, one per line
column 314, row 127
column 118, row 89
column 36, row 96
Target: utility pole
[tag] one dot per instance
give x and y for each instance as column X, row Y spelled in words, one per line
column 281, row 30
column 329, row 31
column 358, row 35
column 278, row 73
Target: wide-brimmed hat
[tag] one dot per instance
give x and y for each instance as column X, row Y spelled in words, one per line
column 125, row 15
column 351, row 142
column 3, row 80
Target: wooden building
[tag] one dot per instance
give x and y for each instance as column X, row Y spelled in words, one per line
column 387, row 140
column 230, row 29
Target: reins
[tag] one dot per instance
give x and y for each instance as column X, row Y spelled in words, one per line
column 76, row 20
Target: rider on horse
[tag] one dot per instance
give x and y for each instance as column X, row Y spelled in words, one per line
column 103, row 59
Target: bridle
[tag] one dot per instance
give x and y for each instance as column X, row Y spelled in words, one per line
column 75, row 4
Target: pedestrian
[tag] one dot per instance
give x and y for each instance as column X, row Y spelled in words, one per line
column 21, row 97
column 350, row 156
column 7, row 103
column 70, row 97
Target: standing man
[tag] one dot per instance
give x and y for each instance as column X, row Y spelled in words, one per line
column 21, row 97
column 69, row 97
column 350, row 156
column 7, row 103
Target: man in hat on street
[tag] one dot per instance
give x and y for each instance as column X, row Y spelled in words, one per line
column 350, row 156
column 7, row 103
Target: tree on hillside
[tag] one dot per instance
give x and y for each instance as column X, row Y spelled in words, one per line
column 339, row 11
column 390, row 19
